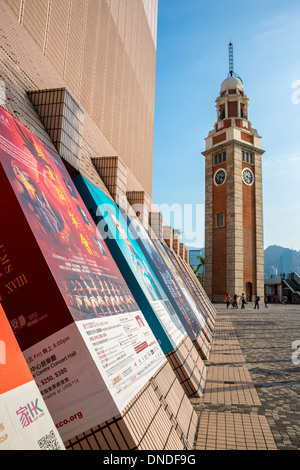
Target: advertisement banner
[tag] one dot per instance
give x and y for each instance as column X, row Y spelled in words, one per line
column 133, row 264
column 25, row 422
column 171, row 279
column 197, row 291
column 57, row 274
column 193, row 302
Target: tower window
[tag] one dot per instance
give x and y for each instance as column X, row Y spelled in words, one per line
column 220, row 219
column 247, row 157
column 220, row 157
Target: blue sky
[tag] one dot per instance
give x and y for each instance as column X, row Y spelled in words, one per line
column 192, row 61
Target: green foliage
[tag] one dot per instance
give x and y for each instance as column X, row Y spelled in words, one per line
column 198, row 272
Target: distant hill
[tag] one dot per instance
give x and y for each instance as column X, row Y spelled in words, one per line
column 283, row 259
column 276, row 257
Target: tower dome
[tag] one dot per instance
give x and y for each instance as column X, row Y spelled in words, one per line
column 232, row 83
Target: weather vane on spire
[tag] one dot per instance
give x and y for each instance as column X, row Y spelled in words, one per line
column 231, row 65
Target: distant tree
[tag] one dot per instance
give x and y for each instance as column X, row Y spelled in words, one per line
column 176, row 232
column 199, row 273
column 201, row 261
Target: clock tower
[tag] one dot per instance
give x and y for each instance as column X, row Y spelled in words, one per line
column 234, row 253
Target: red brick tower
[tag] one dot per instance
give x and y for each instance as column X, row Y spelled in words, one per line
column 234, row 254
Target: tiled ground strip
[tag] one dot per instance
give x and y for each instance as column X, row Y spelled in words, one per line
column 229, row 385
column 234, row 431
column 226, row 351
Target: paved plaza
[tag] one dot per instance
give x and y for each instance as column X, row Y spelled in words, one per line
column 252, row 393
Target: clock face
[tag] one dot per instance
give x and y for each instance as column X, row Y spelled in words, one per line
column 220, row 177
column 248, row 176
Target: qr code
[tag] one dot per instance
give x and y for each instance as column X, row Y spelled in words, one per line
column 49, row 442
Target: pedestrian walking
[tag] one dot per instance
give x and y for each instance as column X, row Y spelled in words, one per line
column 234, row 303
column 266, row 301
column 227, row 299
column 243, row 299
column 257, row 299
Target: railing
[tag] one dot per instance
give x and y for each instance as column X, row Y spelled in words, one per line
column 296, row 278
column 295, row 288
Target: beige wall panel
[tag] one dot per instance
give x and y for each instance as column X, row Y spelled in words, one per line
column 109, row 78
column 151, row 7
column 89, row 54
column 143, row 69
column 35, row 20
column 122, row 19
column 130, row 104
column 114, row 10
column 100, row 87
column 56, row 41
column 119, row 114
column 128, row 26
column 15, row 5
column 106, row 59
column 119, row 91
column 110, row 82
column 125, row 105
column 134, row 29
column 72, row 71
column 139, row 42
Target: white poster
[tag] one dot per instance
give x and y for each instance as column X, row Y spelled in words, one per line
column 90, row 370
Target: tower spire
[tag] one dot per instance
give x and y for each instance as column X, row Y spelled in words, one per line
column 231, row 64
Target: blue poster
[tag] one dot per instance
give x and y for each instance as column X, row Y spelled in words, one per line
column 171, row 279
column 143, row 283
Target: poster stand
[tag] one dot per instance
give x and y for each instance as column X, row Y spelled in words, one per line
column 159, row 417
column 88, row 345
column 135, row 268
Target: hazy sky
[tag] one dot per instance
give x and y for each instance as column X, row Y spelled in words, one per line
column 192, row 61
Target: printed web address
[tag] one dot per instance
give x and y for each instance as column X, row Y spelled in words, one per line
column 67, row 421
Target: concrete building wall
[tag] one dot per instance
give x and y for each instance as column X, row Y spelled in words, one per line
column 104, row 53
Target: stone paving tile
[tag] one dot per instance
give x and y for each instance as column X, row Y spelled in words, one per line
column 265, row 337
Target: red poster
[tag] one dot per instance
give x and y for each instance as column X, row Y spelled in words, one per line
column 37, row 190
